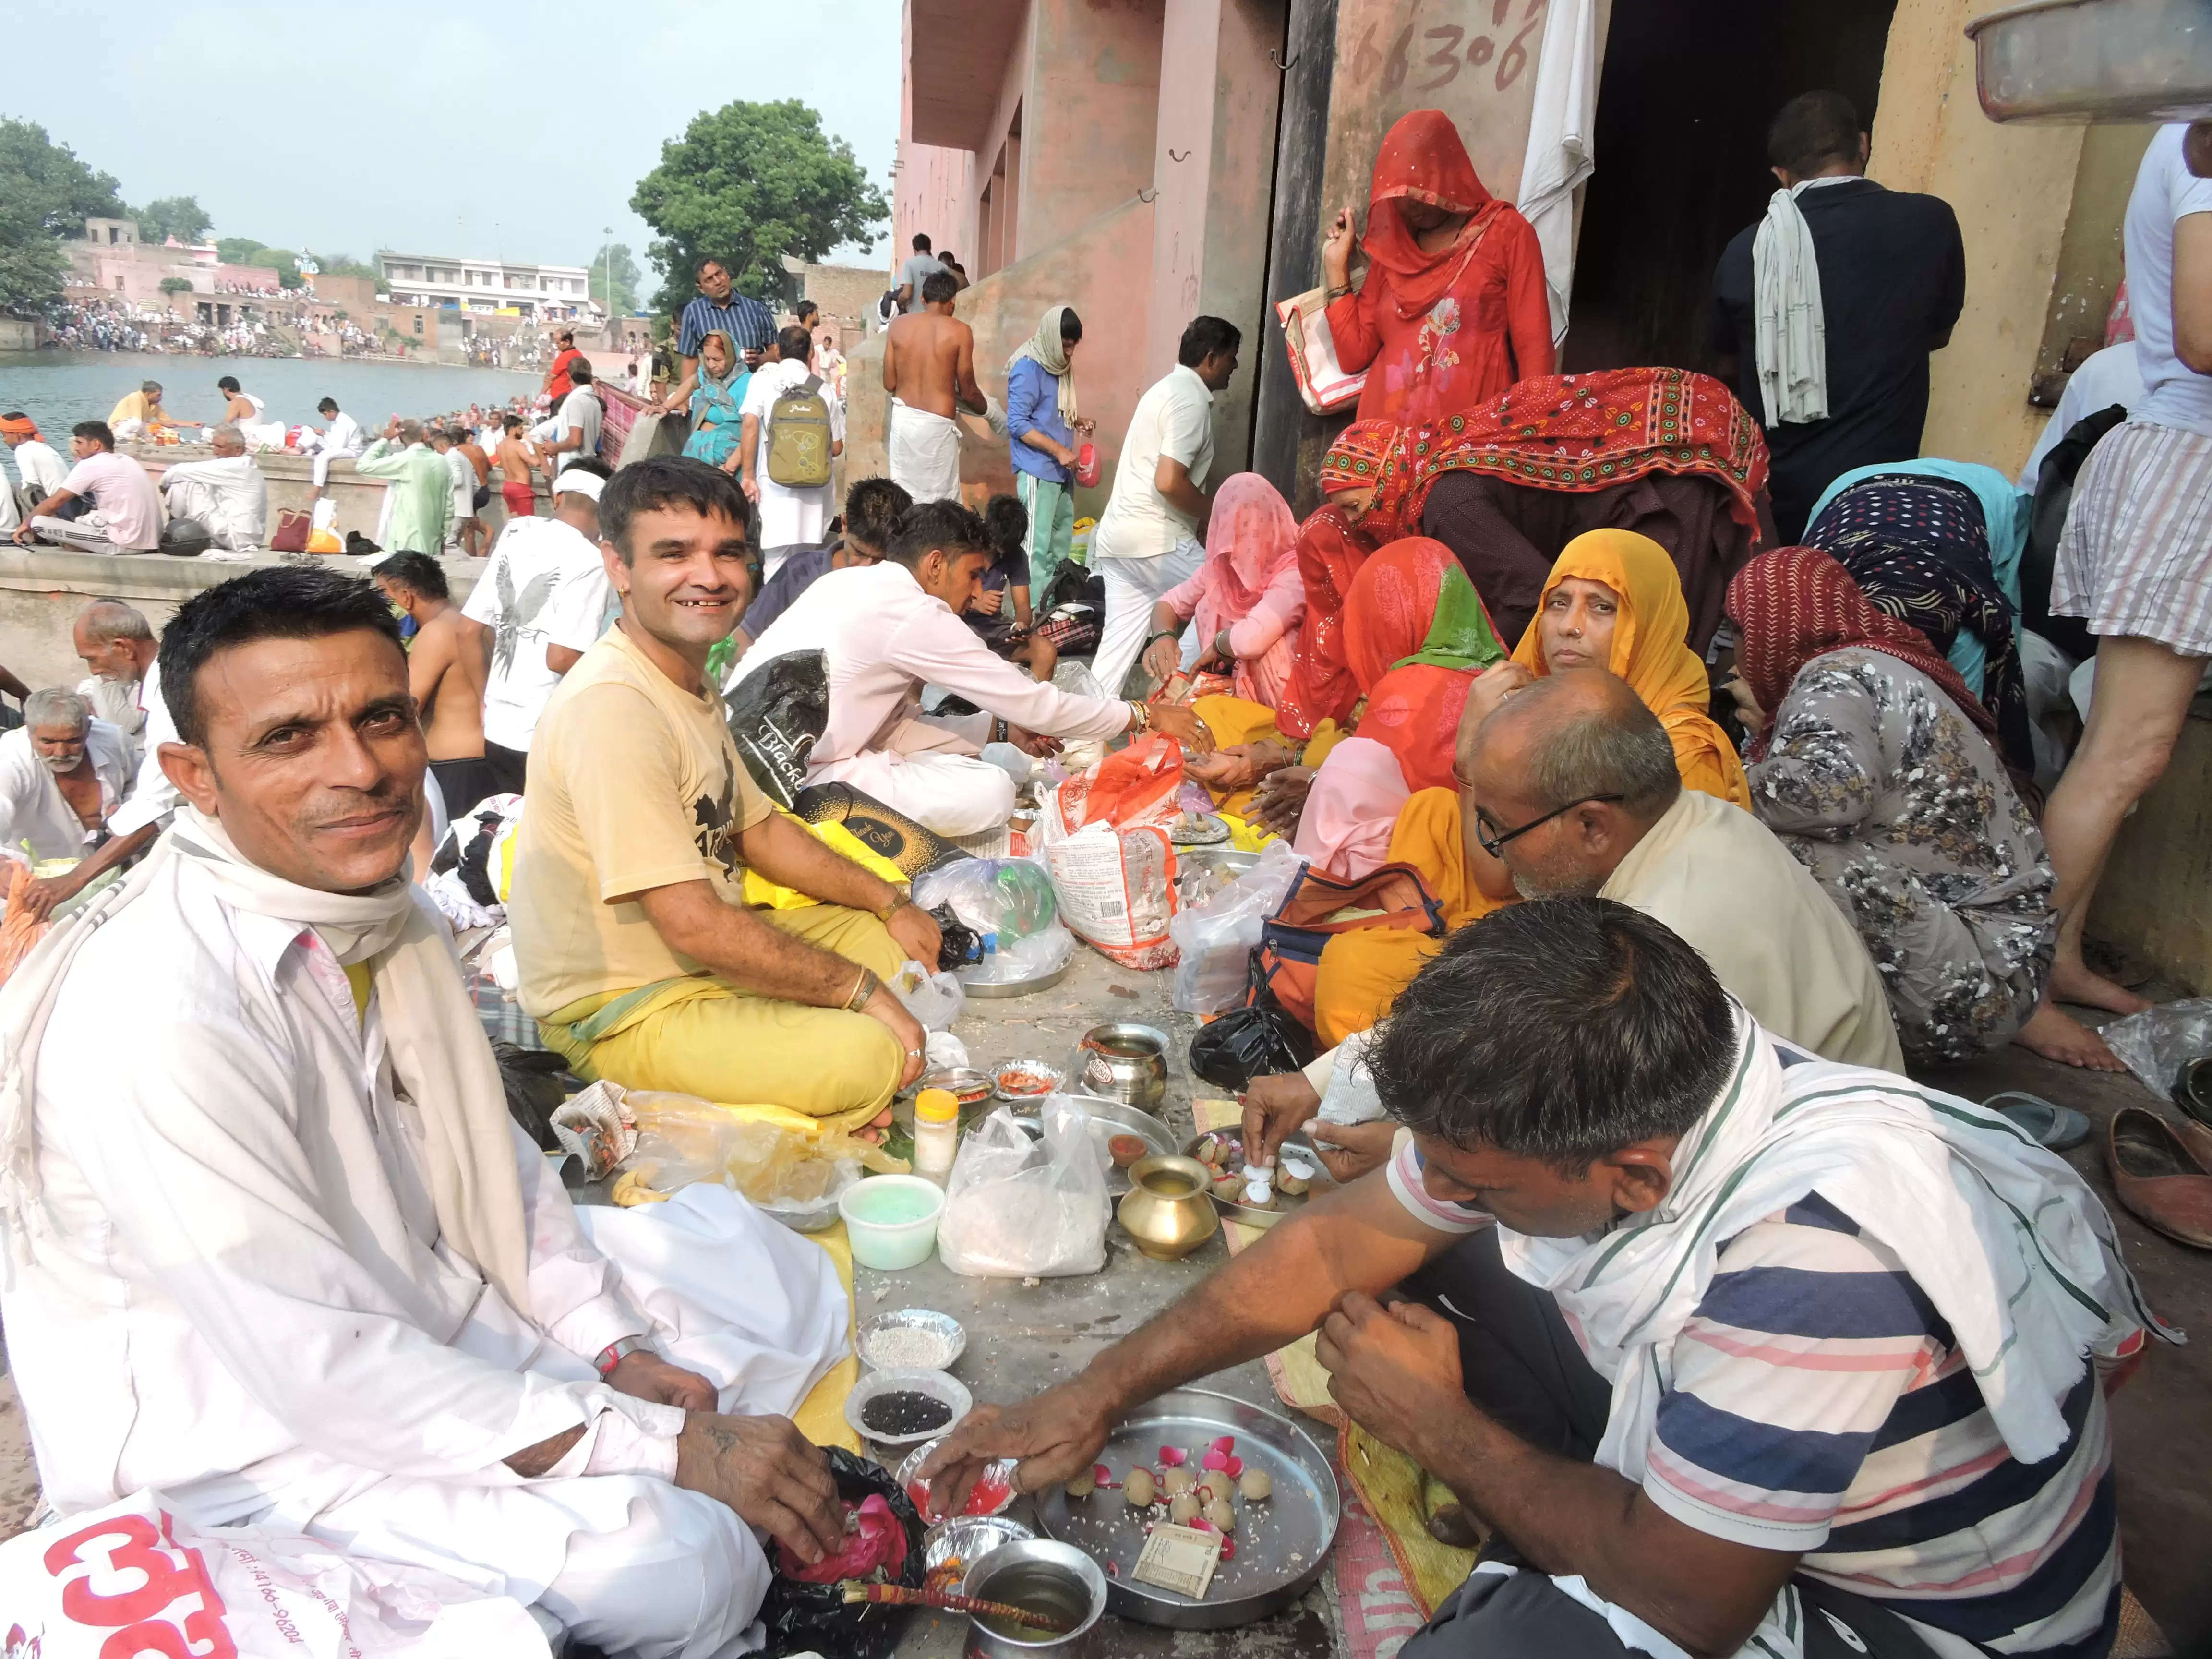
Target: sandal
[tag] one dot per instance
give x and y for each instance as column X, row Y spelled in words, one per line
column 2061, row 1129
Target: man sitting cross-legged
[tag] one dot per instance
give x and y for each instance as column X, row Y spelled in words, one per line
column 1738, row 1346
column 281, row 1255
column 637, row 953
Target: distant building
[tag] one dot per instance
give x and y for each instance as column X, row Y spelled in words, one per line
column 546, row 293
column 110, row 262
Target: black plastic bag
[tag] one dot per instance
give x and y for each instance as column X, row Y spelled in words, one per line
column 537, row 1081
column 814, row 1618
column 1260, row 1040
column 960, row 944
column 776, row 715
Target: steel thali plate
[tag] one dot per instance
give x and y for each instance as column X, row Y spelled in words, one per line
column 1281, row 1544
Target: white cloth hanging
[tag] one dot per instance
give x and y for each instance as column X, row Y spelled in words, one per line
column 1561, row 155
column 1789, row 329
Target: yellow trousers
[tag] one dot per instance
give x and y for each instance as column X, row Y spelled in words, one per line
column 707, row 1038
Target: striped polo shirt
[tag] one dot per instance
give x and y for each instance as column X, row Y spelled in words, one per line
column 744, row 320
column 1819, row 1405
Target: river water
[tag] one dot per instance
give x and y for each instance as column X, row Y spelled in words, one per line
column 58, row 389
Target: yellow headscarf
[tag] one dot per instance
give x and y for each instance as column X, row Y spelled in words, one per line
column 1649, row 652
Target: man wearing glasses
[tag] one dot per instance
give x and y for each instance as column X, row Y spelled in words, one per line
column 1568, row 789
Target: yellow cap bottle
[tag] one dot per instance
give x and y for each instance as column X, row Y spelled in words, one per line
column 936, row 1133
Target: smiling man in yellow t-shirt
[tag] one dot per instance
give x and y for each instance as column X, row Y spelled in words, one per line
column 637, row 953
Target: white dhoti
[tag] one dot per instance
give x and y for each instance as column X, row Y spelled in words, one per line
column 950, row 794
column 195, row 498
column 925, row 453
column 628, row 1563
column 85, row 534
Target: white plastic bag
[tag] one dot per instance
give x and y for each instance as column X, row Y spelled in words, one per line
column 1216, row 938
column 2157, row 1043
column 132, row 1578
column 1011, row 897
column 1021, row 1208
column 934, row 1000
column 1025, row 959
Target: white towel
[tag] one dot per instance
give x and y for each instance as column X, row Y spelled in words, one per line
column 925, row 453
column 1790, row 331
column 1562, row 156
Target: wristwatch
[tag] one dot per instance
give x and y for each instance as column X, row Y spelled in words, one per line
column 615, row 1353
column 892, row 909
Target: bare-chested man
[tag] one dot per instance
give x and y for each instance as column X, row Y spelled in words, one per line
column 516, row 458
column 929, row 367
column 446, row 677
column 239, row 408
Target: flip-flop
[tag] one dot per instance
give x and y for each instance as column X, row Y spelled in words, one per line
column 2059, row 1128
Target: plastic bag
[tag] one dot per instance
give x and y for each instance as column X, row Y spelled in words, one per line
column 1025, row 959
column 804, row 1617
column 1258, row 1041
column 1020, row 1208
column 956, row 942
column 1116, row 890
column 794, row 1173
column 137, row 1577
column 934, row 1000
column 776, row 714
column 1133, row 786
column 1216, row 939
column 1011, row 897
column 2158, row 1043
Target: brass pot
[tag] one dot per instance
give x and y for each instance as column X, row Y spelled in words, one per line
column 1125, row 1062
column 1167, row 1209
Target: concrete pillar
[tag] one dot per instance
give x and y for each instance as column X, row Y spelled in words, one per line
column 1091, row 115
column 2011, row 187
column 1213, row 161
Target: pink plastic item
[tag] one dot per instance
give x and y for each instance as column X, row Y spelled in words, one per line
column 1086, row 465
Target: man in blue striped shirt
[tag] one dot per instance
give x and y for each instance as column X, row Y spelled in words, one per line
column 748, row 324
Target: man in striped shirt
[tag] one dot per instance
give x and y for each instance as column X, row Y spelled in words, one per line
column 718, row 308
column 1734, row 1350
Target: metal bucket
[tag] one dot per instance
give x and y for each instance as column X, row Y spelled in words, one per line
column 1073, row 1577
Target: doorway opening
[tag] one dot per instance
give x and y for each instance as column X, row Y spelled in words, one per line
column 1684, row 101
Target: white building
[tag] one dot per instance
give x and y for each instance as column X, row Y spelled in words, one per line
column 547, row 293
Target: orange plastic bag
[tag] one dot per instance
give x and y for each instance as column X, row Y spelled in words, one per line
column 1135, row 787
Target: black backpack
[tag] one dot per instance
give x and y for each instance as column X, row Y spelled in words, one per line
column 2054, row 495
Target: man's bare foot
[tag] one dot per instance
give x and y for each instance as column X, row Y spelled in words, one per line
column 2073, row 982
column 2061, row 1037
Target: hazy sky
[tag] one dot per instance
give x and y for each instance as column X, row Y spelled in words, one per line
column 345, row 127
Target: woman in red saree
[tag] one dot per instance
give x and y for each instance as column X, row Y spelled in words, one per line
column 1333, row 542
column 1454, row 309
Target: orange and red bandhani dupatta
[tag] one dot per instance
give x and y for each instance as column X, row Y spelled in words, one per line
column 1587, row 432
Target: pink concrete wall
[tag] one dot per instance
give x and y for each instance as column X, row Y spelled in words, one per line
column 1214, row 153
column 1092, row 117
column 934, row 188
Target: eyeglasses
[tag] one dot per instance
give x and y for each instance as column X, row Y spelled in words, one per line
column 1494, row 843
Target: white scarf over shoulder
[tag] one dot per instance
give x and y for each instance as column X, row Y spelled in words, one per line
column 439, row 1056
column 1789, row 329
column 2000, row 1234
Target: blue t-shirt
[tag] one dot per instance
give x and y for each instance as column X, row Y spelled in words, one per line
column 1033, row 405
column 793, row 577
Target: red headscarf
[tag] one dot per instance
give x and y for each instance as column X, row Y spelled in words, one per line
column 1587, row 432
column 1330, row 551
column 1354, row 458
column 1391, row 614
column 1796, row 604
column 1422, row 160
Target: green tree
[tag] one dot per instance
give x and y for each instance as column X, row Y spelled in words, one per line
column 747, row 184
column 180, row 216
column 176, row 285
column 615, row 257
column 241, row 250
column 45, row 194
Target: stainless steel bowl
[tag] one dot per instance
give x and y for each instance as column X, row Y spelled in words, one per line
column 2094, row 60
column 1051, row 1075
column 966, row 1083
column 936, row 1384
column 951, row 1339
column 1125, row 1062
column 1013, row 1561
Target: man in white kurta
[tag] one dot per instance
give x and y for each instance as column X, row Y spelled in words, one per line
column 885, row 631
column 228, row 495
column 248, row 1240
column 33, row 813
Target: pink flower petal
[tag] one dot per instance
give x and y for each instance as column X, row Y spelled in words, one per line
column 1233, row 1467
column 1217, row 1460
column 1171, row 1457
column 1228, row 1549
column 1102, row 1474
column 1201, row 1522
column 1226, row 1443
